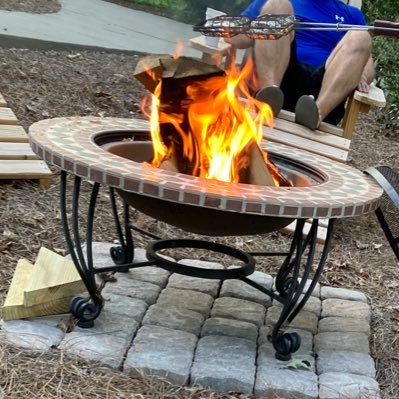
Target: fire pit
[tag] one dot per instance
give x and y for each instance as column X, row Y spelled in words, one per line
column 111, row 152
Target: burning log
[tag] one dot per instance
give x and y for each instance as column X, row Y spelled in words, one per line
column 258, row 172
column 170, row 164
column 151, row 69
column 199, row 126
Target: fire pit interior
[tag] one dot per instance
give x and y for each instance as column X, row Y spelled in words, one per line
column 137, row 147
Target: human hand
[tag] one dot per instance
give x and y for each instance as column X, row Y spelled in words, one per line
column 363, row 86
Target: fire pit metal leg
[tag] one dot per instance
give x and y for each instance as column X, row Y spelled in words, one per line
column 85, row 309
column 124, row 253
column 291, row 289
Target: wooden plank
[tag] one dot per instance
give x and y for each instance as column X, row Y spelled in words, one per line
column 7, row 117
column 199, row 43
column 29, row 169
column 375, row 96
column 3, row 102
column 14, row 303
column 323, row 128
column 321, row 231
column 53, row 277
column 13, row 133
column 304, row 144
column 21, row 151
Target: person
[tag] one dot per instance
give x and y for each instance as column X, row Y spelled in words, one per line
column 310, row 72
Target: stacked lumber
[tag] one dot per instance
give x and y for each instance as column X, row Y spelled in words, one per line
column 17, row 160
column 42, row 289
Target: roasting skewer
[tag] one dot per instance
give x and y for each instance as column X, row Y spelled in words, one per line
column 272, row 27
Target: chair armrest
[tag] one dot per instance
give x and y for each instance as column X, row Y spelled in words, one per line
column 375, row 96
column 199, row 43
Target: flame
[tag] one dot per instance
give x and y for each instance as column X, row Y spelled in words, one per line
column 179, row 50
column 221, row 125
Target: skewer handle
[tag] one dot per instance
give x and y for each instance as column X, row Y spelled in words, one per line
column 390, row 28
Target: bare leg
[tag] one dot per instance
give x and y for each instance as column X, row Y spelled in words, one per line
column 272, row 56
column 344, row 69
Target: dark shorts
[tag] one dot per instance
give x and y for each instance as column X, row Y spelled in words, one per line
column 300, row 79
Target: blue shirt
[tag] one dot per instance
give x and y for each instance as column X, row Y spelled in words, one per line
column 313, row 46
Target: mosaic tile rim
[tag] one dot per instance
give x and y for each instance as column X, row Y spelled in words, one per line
column 68, row 144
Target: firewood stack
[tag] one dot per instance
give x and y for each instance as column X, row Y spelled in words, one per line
column 42, row 289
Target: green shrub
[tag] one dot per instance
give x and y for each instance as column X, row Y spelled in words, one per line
column 386, row 56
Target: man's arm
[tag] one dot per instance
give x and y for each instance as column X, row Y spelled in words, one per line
column 367, row 77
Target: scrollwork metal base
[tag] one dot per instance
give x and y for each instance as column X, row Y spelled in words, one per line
column 290, row 281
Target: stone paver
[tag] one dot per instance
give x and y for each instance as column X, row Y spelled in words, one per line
column 152, row 321
column 127, row 286
column 344, row 324
column 345, row 362
column 150, row 274
column 341, row 341
column 124, row 305
column 112, row 324
column 26, row 334
column 348, row 386
column 303, row 321
column 298, row 384
column 342, row 293
column 207, row 286
column 52, row 320
column 332, row 307
column 217, row 354
column 105, row 348
column 162, row 352
column 239, row 309
column 187, row 299
column 230, row 327
column 313, row 304
column 175, row 318
column 242, row 290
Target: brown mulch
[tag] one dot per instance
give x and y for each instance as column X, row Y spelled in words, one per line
column 40, row 85
column 35, row 7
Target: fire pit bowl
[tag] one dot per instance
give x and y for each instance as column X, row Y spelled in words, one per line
column 135, row 146
column 111, row 151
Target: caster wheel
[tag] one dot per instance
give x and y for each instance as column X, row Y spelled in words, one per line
column 118, row 255
column 286, row 344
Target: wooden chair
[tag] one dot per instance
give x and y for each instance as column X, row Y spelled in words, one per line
column 329, row 140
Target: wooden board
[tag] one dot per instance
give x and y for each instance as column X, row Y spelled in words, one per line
column 29, row 169
column 323, row 128
column 310, row 145
column 7, row 117
column 3, row 102
column 53, row 277
column 14, row 304
column 321, row 231
column 20, row 151
column 375, row 96
column 13, row 134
